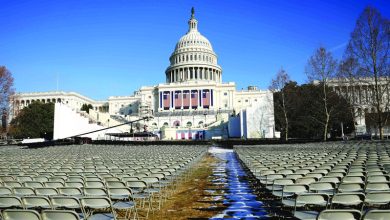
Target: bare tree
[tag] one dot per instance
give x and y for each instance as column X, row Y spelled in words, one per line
column 6, row 88
column 320, row 69
column 277, row 85
column 369, row 45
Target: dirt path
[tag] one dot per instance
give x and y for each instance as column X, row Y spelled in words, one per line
column 185, row 202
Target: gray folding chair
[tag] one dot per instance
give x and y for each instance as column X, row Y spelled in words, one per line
column 17, row 214
column 347, row 199
column 377, row 215
column 36, row 202
column 59, row 215
column 5, row 191
column 46, row 191
column 7, row 202
column 122, row 200
column 309, row 199
column 339, row 214
column 377, row 198
column 98, row 208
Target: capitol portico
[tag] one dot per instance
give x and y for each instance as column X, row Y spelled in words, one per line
column 193, row 103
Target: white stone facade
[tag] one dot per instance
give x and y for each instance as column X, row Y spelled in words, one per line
column 193, row 96
column 359, row 93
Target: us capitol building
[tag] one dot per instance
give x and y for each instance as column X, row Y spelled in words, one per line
column 193, row 103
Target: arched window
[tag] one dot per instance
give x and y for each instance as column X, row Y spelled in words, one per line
column 189, row 124
column 165, row 124
column 200, row 123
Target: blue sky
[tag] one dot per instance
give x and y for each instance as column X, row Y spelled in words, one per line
column 103, row 48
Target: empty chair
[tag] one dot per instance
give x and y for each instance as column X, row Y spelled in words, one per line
column 33, row 184
column 5, row 178
column 277, row 184
column 377, row 198
column 94, row 192
column 23, row 179
column 54, row 184
column 341, row 214
column 12, row 184
column 70, row 191
column 23, row 191
column 57, row 179
column 10, row 202
column 309, row 199
column 141, row 174
column 111, row 178
column 41, row 179
column 122, row 200
column 59, row 214
column 306, row 180
column 336, row 174
column 94, row 184
column 302, row 171
column 92, row 179
column 137, row 187
column 33, row 202
column 130, row 178
column 269, row 179
column 323, row 187
column 291, row 191
column 354, row 179
column 74, row 178
column 111, row 184
column 17, row 214
column 5, row 191
column 351, row 187
column 65, row 202
column 294, row 176
column 46, row 191
column 378, row 179
column 333, row 179
column 377, row 215
column 347, row 199
column 98, row 208
column 316, row 175
column 378, row 186
column 74, row 184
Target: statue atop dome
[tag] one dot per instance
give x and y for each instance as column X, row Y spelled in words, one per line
column 192, row 12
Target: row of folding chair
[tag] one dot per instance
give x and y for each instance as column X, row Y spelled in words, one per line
column 84, row 208
column 337, row 174
column 17, row 214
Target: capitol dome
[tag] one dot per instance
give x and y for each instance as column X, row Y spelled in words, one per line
column 193, row 58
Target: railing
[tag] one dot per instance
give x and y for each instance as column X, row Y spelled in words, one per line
column 191, row 113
